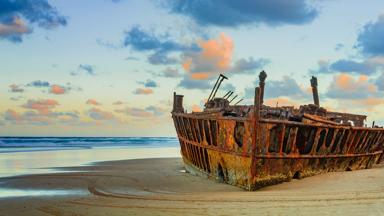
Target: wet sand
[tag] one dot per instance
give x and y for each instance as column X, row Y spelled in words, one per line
column 160, row 187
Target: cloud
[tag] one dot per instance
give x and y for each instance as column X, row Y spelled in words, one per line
column 367, row 67
column 98, row 114
column 117, row 103
column 214, row 57
column 352, row 66
column 58, row 90
column 93, row 102
column 147, row 112
column 13, row 15
column 281, row 101
column 231, row 13
column 284, row 88
column 141, row 40
column 171, row 73
column 370, row 38
column 157, row 111
column 161, row 58
column 189, row 83
column 16, row 88
column 42, row 106
column 38, row 118
column 380, row 82
column 249, row 65
column 13, row 29
column 345, row 86
column 149, row 83
column 196, row 108
column 143, row 91
column 131, row 58
column 11, row 115
column 17, row 98
column 160, row 45
column 39, row 83
column 87, row 68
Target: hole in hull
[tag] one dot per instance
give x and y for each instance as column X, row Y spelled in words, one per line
column 220, row 173
column 297, row 175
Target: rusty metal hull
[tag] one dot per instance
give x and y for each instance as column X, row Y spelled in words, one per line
column 240, row 152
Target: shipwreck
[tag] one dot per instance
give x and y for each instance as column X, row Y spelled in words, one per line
column 252, row 146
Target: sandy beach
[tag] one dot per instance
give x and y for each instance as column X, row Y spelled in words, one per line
column 161, row 187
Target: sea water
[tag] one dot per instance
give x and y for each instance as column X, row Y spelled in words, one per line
column 36, row 155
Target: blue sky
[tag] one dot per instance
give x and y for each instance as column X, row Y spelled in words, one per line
column 109, row 68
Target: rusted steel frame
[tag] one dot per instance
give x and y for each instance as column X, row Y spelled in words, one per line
column 185, row 132
column 176, row 125
column 335, row 147
column 255, row 137
column 266, row 135
column 351, row 143
column 198, row 158
column 188, row 129
column 203, row 158
column 262, row 120
column 281, row 139
column 374, row 141
column 364, row 141
column 292, row 140
column 190, row 123
column 346, row 142
column 289, row 156
column 209, row 117
column 195, row 156
column 209, row 130
column 211, row 147
column 188, row 155
column 191, row 131
column 276, row 156
column 198, row 131
column 328, row 149
column 379, row 140
column 316, row 141
column 204, row 140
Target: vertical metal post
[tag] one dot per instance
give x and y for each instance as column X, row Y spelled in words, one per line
column 255, row 131
column 262, row 77
column 174, row 101
column 314, row 91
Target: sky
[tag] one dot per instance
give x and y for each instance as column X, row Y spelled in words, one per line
column 110, row 67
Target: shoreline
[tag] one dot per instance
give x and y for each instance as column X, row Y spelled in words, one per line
column 159, row 186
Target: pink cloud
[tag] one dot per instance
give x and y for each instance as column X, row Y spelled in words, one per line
column 11, row 115
column 41, row 106
column 215, row 57
column 144, row 91
column 346, row 86
column 196, row 108
column 16, row 27
column 93, row 102
column 98, row 114
column 56, row 89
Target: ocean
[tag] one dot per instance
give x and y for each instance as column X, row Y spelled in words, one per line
column 36, row 155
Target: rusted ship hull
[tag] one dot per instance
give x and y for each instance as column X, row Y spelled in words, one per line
column 255, row 146
column 285, row 150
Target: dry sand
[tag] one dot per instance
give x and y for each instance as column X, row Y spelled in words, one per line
column 157, row 187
